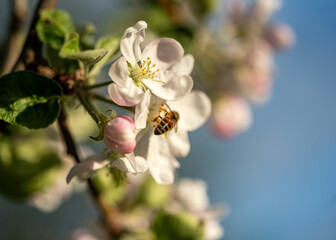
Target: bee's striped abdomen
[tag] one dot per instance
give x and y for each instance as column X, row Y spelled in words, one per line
column 163, row 126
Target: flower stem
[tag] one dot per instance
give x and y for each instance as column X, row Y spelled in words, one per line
column 107, row 100
column 82, row 96
column 97, row 85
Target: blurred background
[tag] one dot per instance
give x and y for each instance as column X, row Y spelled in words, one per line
column 278, row 177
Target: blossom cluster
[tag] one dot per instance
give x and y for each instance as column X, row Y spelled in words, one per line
column 156, row 82
column 237, row 62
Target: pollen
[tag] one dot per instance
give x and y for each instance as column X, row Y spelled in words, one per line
column 144, row 70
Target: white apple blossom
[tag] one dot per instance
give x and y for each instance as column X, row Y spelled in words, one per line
column 160, row 151
column 139, row 70
column 127, row 163
column 191, row 194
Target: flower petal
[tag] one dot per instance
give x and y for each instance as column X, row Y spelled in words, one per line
column 119, row 73
column 176, row 87
column 164, row 52
column 123, row 164
column 139, row 163
column 83, row 169
column 141, row 112
column 184, row 66
column 194, row 110
column 179, row 143
column 160, row 160
column 131, row 164
column 125, row 96
column 130, row 42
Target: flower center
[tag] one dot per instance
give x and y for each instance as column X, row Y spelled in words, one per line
column 143, row 70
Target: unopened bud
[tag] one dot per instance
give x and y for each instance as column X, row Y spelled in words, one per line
column 280, row 36
column 119, row 135
column 231, row 115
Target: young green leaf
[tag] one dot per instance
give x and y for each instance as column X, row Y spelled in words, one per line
column 88, row 57
column 29, row 99
column 71, row 46
column 54, row 28
column 109, row 43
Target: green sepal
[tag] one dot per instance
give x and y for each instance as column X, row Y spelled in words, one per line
column 29, row 99
column 103, row 120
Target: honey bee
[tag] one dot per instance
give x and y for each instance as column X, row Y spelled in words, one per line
column 167, row 122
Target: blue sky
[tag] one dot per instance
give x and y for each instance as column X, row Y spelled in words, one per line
column 280, row 177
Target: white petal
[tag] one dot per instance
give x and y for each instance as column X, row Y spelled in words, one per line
column 130, row 42
column 125, row 96
column 160, row 160
column 83, row 169
column 141, row 112
column 164, row 52
column 123, row 164
column 213, row 230
column 179, row 143
column 184, row 66
column 119, row 73
column 194, row 110
column 175, row 88
column 139, row 163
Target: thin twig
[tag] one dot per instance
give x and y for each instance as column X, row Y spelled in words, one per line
column 107, row 100
column 108, row 212
column 97, row 85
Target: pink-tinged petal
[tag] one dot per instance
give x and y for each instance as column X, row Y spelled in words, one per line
column 160, row 160
column 139, row 164
column 164, row 52
column 141, row 112
column 231, row 115
column 176, row 88
column 119, row 135
column 130, row 42
column 84, row 169
column 119, row 73
column 194, row 110
column 179, row 143
column 184, row 66
column 125, row 96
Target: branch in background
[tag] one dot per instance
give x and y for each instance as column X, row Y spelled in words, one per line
column 31, row 52
column 110, row 214
column 19, row 12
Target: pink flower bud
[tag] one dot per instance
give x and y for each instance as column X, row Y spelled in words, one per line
column 280, row 36
column 119, row 135
column 231, row 115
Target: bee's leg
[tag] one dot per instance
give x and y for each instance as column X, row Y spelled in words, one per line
column 165, row 134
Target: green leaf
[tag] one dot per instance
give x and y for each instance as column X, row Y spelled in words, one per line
column 71, row 46
column 27, row 164
column 87, row 38
column 29, row 99
column 62, row 65
column 180, row 226
column 112, row 45
column 88, row 57
column 54, row 28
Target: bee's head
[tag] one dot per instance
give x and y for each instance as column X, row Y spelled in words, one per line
column 176, row 115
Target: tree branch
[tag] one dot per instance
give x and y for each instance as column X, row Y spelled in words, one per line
column 109, row 213
column 31, row 52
